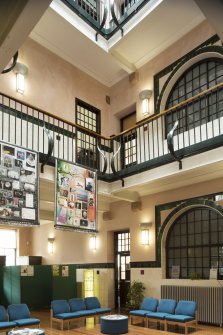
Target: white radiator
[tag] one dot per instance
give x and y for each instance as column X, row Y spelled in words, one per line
column 209, row 300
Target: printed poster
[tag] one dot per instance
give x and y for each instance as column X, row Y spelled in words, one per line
column 27, row 271
column 56, row 270
column 75, row 197
column 18, row 185
column 65, row 271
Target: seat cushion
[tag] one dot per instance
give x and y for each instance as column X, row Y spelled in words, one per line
column 102, row 310
column 139, row 312
column 76, row 304
column 179, row 318
column 149, row 304
column 27, row 322
column 157, row 315
column 92, row 303
column 167, row 306
column 60, row 306
column 7, row 324
column 186, row 307
column 87, row 312
column 67, row 316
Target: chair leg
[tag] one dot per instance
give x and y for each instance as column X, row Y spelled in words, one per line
column 147, row 322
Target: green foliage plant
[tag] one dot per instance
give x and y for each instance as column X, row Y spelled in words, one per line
column 135, row 295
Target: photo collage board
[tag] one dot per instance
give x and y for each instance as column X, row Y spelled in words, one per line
column 76, row 198
column 18, row 185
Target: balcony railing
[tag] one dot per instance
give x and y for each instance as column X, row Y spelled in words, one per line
column 106, row 16
column 138, row 149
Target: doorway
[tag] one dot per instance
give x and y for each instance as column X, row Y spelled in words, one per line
column 129, row 142
column 122, row 267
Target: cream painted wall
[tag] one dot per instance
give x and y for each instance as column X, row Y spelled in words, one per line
column 52, row 85
column 61, row 82
column 24, row 241
column 71, row 247
column 120, row 101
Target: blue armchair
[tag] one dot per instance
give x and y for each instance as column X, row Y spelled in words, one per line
column 185, row 315
column 20, row 314
column 5, row 324
column 165, row 308
column 148, row 305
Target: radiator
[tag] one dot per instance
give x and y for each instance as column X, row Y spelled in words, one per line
column 209, row 300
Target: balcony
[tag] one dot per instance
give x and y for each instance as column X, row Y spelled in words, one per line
column 139, row 149
column 106, row 17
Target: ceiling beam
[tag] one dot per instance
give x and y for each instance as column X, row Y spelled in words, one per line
column 126, row 195
column 123, row 62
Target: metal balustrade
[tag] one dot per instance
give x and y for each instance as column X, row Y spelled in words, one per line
column 105, row 16
column 137, row 149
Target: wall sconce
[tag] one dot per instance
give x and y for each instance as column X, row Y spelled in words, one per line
column 51, row 245
column 144, row 96
column 21, row 70
column 145, row 232
column 93, row 242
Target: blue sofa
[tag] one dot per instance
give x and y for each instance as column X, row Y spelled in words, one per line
column 20, row 315
column 5, row 324
column 148, row 305
column 167, row 312
column 65, row 311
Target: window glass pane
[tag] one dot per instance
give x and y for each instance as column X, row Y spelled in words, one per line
column 7, row 238
column 198, row 247
column 199, row 77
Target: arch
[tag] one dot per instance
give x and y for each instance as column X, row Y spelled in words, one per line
column 171, row 218
column 201, row 54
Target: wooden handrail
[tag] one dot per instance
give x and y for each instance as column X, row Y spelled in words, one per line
column 53, row 116
column 185, row 102
column 144, row 121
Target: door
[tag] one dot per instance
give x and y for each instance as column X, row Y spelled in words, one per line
column 129, row 143
column 122, row 267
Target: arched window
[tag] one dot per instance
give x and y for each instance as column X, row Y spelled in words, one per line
column 198, row 78
column 195, row 243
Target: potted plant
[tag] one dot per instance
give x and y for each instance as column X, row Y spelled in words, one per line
column 135, row 295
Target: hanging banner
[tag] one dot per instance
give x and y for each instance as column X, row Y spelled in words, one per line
column 18, row 185
column 75, row 197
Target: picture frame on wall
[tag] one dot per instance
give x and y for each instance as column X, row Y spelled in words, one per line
column 76, row 197
column 19, row 185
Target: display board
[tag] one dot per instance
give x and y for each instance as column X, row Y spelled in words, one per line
column 76, row 200
column 18, row 185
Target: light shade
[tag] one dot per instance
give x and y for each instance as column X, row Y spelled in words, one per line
column 20, row 83
column 144, row 96
column 145, row 232
column 51, row 245
column 93, row 242
column 21, row 71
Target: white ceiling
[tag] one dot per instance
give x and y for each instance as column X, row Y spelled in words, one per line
column 158, row 25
